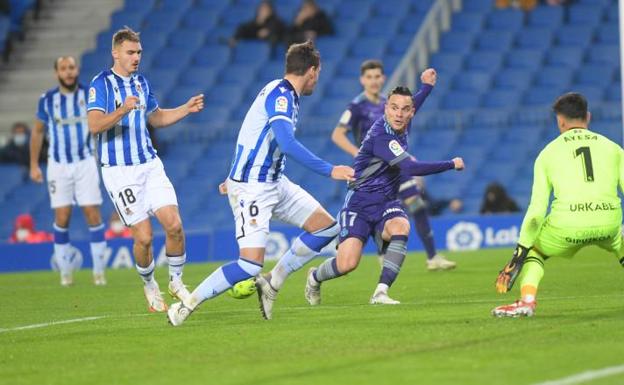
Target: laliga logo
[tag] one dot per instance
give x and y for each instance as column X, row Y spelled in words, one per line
column 464, row 236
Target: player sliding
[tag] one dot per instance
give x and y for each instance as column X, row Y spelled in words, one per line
column 583, row 169
column 258, row 191
column 371, row 205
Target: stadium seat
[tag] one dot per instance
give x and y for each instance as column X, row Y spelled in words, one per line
column 475, row 81
column 574, row 35
column 553, row 76
column 513, row 79
column 585, row 14
column 478, row 5
column 608, row 34
column 603, row 54
column 332, row 48
column 200, row 19
column 392, row 9
column 541, row 95
column 345, row 88
column 483, row 61
column 213, row 56
column 366, row 48
column 498, row 41
column 456, row 42
column 468, row 22
column 251, row 52
column 200, row 77
column 188, row 39
column 505, row 20
column 172, row 58
column 527, row 59
column 565, row 56
column 545, row 16
column 457, row 100
column 501, row 99
column 534, row 38
column 450, row 62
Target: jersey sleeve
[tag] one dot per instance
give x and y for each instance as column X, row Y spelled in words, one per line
column 420, row 96
column 152, row 103
column 279, row 105
column 97, row 95
column 387, row 148
column 540, row 195
column 41, row 111
column 348, row 118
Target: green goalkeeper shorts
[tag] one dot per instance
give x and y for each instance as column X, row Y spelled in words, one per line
column 566, row 242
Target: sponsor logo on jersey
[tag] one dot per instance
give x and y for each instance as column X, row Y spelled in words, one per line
column 281, row 104
column 345, row 118
column 392, row 210
column 395, row 147
column 92, row 95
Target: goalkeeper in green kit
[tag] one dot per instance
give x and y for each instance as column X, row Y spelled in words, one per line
column 584, row 170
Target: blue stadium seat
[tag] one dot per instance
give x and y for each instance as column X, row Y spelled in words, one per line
column 575, row 35
column 568, row 56
column 593, row 94
column 477, row 5
column 200, row 19
column 494, row 41
column 201, row 77
column 501, row 99
column 411, row 23
column 539, row 96
column 491, row 117
column 472, row 81
column 584, row 14
column 189, row 39
column 352, row 10
column 332, row 48
column 224, row 95
column 161, row 20
column 505, row 20
column 122, row 18
column 249, row 52
column 236, row 74
column 595, row 75
column 175, row 6
column 513, row 79
column 528, row 59
column 381, row 26
column 347, row 29
column 468, row 22
column 450, row 62
column 456, row 42
column 608, row 34
column 330, row 107
column 603, row 54
column 152, row 40
column 534, row 38
column 390, row 8
column 343, row 88
column 213, row 56
column 457, row 100
column 161, row 80
column 611, row 13
column 546, row 16
column 614, row 93
column 171, row 58
column 272, row 70
column 484, row 61
column 553, row 76
column 235, row 16
column 179, row 95
column 366, row 48
column 474, row 136
column 347, row 68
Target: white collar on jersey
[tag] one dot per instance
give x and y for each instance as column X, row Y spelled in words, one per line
column 126, row 78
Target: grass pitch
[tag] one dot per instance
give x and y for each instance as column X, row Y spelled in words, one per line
column 442, row 333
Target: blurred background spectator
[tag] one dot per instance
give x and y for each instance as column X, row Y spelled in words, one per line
column 310, row 22
column 24, row 231
column 266, row 25
column 116, row 229
column 17, row 149
column 496, row 200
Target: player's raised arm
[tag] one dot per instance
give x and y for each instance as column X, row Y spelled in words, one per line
column 428, row 78
column 166, row 117
column 99, row 120
column 288, row 144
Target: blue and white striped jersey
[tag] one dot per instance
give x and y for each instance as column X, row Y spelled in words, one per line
column 65, row 116
column 128, row 143
column 258, row 156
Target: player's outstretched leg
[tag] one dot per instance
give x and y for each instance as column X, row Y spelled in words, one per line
column 532, row 273
column 219, row 281
column 62, row 249
column 98, row 251
column 303, row 249
column 392, row 262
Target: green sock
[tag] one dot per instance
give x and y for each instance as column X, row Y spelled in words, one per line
column 532, row 273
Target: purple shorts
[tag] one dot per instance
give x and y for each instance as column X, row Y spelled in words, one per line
column 365, row 214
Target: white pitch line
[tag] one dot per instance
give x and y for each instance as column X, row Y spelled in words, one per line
column 46, row 324
column 589, row 375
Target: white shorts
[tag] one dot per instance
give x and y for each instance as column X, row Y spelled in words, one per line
column 254, row 204
column 74, row 183
column 137, row 191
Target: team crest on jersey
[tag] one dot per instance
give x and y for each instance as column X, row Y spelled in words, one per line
column 395, row 147
column 92, row 95
column 281, row 104
column 138, row 88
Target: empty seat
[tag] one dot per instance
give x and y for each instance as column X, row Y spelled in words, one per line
column 545, row 16
column 603, row 54
column 472, row 81
column 505, row 20
column 456, row 42
column 458, row 100
column 449, row 62
column 595, row 75
column 494, row 41
column 528, row 59
column 484, row 61
column 513, row 78
column 553, row 76
column 501, row 99
column 538, row 38
column 469, row 22
column 536, row 96
column 574, row 35
column 565, row 56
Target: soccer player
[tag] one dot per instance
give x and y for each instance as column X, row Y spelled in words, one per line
column 359, row 116
column 72, row 173
column 371, row 206
column 121, row 104
column 258, row 190
column 584, row 170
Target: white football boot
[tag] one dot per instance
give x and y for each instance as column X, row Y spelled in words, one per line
column 178, row 313
column 266, row 296
column 99, row 279
column 155, row 301
column 312, row 289
column 178, row 290
column 516, row 309
column 382, row 298
column 439, row 262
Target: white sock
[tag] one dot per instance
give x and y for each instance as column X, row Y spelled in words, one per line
column 382, row 287
column 147, row 273
column 294, row 259
column 176, row 266
column 98, row 250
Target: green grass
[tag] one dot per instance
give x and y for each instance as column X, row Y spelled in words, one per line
column 442, row 333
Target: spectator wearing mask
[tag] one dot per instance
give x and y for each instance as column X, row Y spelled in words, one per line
column 266, row 25
column 496, row 200
column 116, row 229
column 17, row 149
column 24, row 231
column 310, row 22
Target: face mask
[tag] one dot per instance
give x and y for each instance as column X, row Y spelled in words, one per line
column 22, row 234
column 20, row 139
column 117, row 226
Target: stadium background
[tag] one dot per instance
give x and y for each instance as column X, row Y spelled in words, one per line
column 499, row 71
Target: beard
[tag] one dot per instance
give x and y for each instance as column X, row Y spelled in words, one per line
column 69, row 86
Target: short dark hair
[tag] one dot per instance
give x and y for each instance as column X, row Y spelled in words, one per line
column 571, row 105
column 125, row 34
column 301, row 57
column 400, row 90
column 58, row 59
column 371, row 65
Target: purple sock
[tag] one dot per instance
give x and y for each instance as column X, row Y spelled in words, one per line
column 424, row 232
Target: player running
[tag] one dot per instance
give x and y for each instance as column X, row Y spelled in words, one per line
column 371, row 206
column 359, row 116
column 72, row 173
column 121, row 104
column 258, row 190
column 584, row 170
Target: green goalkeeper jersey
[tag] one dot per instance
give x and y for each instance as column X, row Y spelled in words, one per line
column 583, row 170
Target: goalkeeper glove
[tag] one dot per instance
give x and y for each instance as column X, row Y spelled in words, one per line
column 507, row 276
